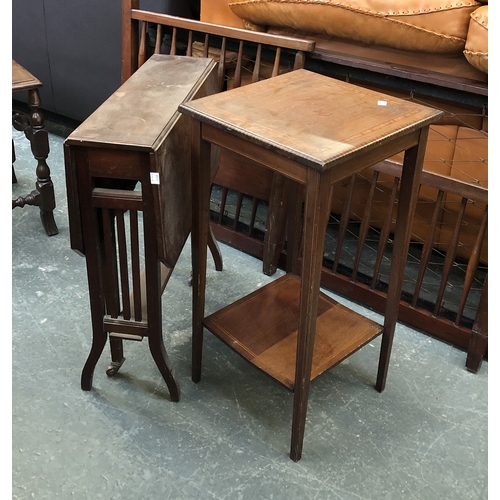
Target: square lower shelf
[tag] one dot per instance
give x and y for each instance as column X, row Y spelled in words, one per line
column 262, row 327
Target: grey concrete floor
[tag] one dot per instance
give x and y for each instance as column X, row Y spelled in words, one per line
column 424, row 438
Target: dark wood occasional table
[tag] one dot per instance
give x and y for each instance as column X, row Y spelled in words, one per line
column 33, row 126
column 128, row 176
column 315, row 131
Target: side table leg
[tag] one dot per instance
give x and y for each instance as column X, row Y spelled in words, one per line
column 155, row 337
column 159, row 353
column 276, row 224
column 408, row 195
column 316, row 214
column 99, row 335
column 154, row 290
column 200, row 161
column 479, row 336
column 98, row 343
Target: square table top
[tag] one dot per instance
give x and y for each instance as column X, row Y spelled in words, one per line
column 310, row 118
column 22, row 79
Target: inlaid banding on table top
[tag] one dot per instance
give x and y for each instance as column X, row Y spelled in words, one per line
column 340, row 113
column 263, row 326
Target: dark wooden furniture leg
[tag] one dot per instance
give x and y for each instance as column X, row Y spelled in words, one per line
column 276, row 224
column 413, row 159
column 479, row 337
column 96, row 296
column 154, row 290
column 199, row 239
column 14, row 178
column 43, row 195
column 215, row 250
column 317, row 197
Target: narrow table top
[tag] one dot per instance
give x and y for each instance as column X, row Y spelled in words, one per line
column 309, row 118
column 22, row 79
column 142, row 111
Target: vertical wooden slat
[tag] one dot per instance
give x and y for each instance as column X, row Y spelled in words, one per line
column 384, row 234
column 223, row 199
column 173, row 44
column 222, row 64
column 276, row 65
column 135, row 264
column 472, row 265
column 239, row 64
column 256, row 67
column 189, row 50
column 365, row 224
column 142, row 46
column 239, row 203
column 251, row 225
column 123, row 262
column 159, row 37
column 428, row 246
column 206, row 45
column 110, row 265
column 450, row 257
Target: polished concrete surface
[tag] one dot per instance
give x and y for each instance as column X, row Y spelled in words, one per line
column 424, row 438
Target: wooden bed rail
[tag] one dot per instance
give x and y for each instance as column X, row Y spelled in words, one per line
column 133, row 44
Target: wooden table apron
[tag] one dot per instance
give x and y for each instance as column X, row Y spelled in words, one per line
column 318, row 183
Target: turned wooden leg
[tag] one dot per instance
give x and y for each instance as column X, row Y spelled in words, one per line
column 43, row 195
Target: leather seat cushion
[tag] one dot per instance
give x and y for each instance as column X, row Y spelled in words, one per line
column 435, row 26
column 476, row 46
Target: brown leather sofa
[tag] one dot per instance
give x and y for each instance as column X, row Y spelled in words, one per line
column 445, row 38
column 418, row 26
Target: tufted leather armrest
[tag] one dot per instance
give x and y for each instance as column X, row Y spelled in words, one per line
column 476, row 46
column 433, row 26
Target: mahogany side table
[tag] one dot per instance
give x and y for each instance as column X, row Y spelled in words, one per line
column 315, row 131
column 33, row 127
column 130, row 161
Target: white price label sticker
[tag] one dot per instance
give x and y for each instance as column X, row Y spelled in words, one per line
column 382, row 103
column 155, row 177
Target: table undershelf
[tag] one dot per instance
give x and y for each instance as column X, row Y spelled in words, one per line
column 262, row 327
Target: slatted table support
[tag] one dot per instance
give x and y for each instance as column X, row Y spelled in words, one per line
column 128, row 174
